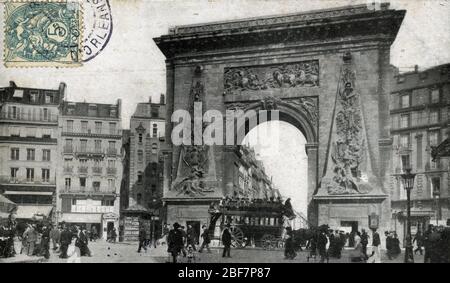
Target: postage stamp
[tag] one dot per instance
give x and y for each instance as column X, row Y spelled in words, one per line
column 43, row 34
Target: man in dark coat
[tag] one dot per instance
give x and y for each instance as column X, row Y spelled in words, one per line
column 289, row 248
column 206, row 240
column 191, row 237
column 175, row 241
column 322, row 246
column 427, row 244
column 142, row 240
column 226, row 241
column 364, row 241
column 66, row 238
column 45, row 242
column 83, row 241
column 418, row 239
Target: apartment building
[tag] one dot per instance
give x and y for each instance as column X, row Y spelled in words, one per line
column 90, row 171
column 419, row 110
column 28, row 148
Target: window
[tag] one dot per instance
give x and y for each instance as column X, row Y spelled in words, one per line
column 12, row 112
column 433, row 137
column 112, row 128
column 48, row 98
column 435, row 97
column 140, row 138
column 14, row 172
column 435, row 186
column 68, row 146
column 405, row 101
column 83, row 145
column 154, row 148
column 15, row 154
column 98, row 127
column 46, row 133
column 155, row 130
column 82, row 182
column 434, row 164
column 111, row 164
column 14, row 131
column 45, row 112
column 107, row 202
column 84, row 127
column 33, row 96
column 405, row 159
column 153, row 189
column 98, row 145
column 139, row 198
column 45, row 175
column 69, row 126
column 140, row 155
column 46, row 155
column 30, row 154
column 139, row 177
column 30, row 174
column 434, row 116
column 155, row 111
column 68, row 183
column 404, row 121
column 31, row 132
column 96, row 186
column 110, row 183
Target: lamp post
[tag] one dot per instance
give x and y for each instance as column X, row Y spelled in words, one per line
column 408, row 184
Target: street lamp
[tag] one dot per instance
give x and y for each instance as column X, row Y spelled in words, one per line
column 408, row 184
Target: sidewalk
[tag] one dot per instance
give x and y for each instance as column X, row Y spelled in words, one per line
column 20, row 258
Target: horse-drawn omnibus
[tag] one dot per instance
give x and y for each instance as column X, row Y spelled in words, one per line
column 257, row 223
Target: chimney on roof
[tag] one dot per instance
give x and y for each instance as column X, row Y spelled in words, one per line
column 162, row 99
column 62, row 90
column 416, row 68
column 12, row 84
column 150, row 99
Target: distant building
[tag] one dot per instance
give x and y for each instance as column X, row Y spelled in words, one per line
column 420, row 118
column 146, row 168
column 249, row 177
column 28, row 148
column 90, row 170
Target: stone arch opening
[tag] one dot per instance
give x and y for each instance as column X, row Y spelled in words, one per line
column 284, row 159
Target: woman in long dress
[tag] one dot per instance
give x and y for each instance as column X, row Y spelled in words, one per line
column 73, row 252
column 358, row 255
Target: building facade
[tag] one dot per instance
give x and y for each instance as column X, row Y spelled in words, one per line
column 28, row 148
column 90, row 165
column 419, row 110
column 147, row 137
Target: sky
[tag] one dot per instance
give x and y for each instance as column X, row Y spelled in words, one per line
column 132, row 68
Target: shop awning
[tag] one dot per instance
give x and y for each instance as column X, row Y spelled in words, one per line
column 33, row 211
column 28, row 193
column 6, row 205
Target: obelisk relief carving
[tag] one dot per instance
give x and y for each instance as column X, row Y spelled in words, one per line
column 196, row 175
column 347, row 166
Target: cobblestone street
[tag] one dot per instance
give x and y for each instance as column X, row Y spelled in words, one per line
column 127, row 253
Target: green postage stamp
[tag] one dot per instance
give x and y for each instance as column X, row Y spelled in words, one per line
column 42, row 34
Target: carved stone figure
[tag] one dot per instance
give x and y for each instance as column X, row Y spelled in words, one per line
column 347, row 149
column 266, row 77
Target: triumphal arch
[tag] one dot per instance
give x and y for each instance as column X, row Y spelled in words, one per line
column 325, row 71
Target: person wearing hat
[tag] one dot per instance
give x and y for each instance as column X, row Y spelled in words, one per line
column 226, row 241
column 66, row 239
column 175, row 241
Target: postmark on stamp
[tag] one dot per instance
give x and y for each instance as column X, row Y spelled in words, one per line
column 98, row 27
column 43, row 34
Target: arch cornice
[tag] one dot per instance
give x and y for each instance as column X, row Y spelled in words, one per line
column 301, row 112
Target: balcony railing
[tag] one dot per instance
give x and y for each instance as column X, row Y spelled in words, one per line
column 111, row 171
column 5, row 179
column 27, row 117
column 97, row 170
column 111, row 152
column 89, row 190
column 82, row 169
column 89, row 131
